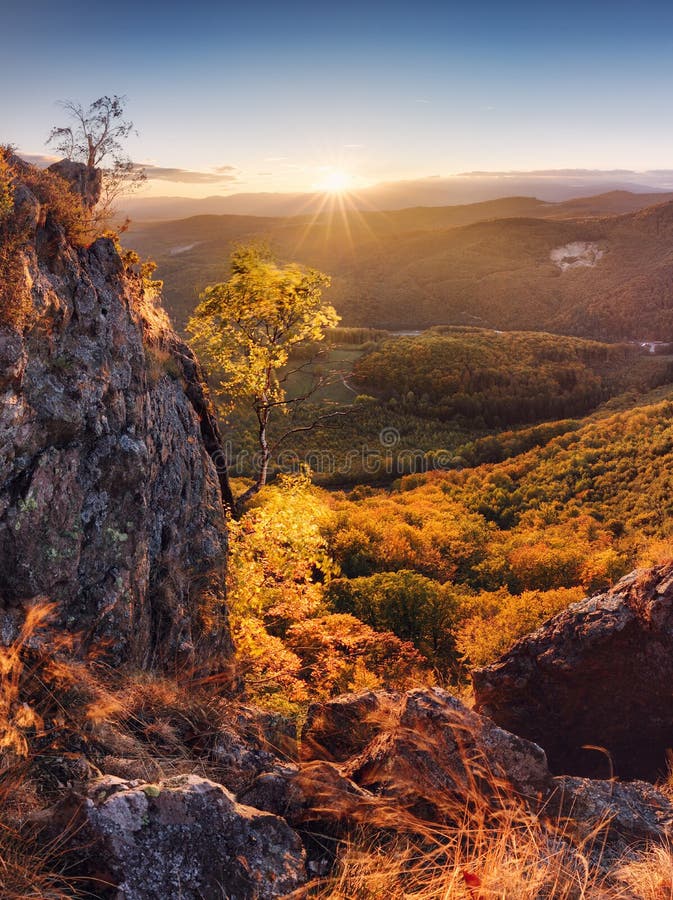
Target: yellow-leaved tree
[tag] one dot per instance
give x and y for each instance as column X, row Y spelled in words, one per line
column 246, row 329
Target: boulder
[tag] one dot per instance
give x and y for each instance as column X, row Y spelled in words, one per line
column 426, row 750
column 83, row 180
column 343, row 727
column 184, row 837
column 429, row 757
column 628, row 816
column 318, row 801
column 593, row 685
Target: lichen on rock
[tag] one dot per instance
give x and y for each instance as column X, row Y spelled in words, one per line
column 110, row 501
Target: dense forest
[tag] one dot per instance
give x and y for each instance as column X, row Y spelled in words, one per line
column 495, row 379
column 455, row 565
column 441, row 399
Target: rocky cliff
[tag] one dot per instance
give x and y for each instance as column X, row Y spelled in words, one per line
column 110, row 502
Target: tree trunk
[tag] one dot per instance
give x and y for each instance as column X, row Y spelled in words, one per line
column 263, row 417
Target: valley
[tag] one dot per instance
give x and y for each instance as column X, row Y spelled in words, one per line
column 488, row 264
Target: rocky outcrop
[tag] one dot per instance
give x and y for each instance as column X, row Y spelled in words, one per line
column 184, row 837
column 83, row 180
column 593, row 685
column 428, row 766
column 110, row 502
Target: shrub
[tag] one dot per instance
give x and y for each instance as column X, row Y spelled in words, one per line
column 6, row 188
column 494, row 621
column 63, row 206
column 413, row 607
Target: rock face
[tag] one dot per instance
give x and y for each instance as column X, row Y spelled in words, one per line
column 184, row 837
column 110, row 502
column 598, row 674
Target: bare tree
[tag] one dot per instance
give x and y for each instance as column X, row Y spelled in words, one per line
column 96, row 138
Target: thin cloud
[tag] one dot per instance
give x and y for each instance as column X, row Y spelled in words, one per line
column 555, row 173
column 154, row 173
column 41, row 160
column 187, row 176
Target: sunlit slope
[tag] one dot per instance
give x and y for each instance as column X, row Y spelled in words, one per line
column 618, row 469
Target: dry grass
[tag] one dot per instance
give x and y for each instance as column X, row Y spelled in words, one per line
column 650, row 876
column 29, row 869
column 54, row 706
column 492, row 846
column 520, row 860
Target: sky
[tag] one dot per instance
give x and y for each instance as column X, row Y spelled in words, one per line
column 284, row 96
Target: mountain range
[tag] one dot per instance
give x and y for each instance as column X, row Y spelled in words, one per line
column 598, row 267
column 470, row 187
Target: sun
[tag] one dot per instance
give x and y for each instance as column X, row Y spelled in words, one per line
column 336, row 182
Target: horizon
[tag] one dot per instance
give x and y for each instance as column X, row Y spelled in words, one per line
column 304, row 100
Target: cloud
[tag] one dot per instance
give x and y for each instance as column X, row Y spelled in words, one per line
column 188, row 176
column 274, row 158
column 42, row 160
column 154, row 173
column 554, row 173
column 421, row 100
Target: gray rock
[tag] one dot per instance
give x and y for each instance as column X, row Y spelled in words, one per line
column 431, row 756
column 86, row 182
column 425, row 748
column 185, row 836
column 628, row 815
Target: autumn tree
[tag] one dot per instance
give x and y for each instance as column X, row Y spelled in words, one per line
column 95, row 136
column 248, row 329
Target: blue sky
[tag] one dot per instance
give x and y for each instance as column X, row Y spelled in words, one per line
column 285, row 92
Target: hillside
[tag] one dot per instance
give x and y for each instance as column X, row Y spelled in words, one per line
column 486, row 264
column 503, row 379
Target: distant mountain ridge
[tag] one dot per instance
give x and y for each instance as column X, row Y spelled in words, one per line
column 434, row 191
column 598, row 267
